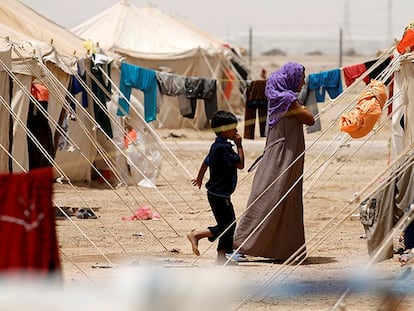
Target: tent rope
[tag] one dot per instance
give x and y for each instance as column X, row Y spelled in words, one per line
column 52, row 160
column 286, row 170
column 321, row 238
column 99, row 148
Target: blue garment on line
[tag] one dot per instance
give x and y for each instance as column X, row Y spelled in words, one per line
column 326, row 81
column 143, row 79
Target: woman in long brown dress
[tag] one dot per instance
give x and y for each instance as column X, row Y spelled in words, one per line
column 272, row 225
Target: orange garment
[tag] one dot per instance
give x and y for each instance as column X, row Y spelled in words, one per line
column 368, row 109
column 130, row 138
column 407, row 41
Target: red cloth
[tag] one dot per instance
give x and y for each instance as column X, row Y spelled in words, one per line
column 27, row 223
column 40, row 92
column 143, row 212
column 407, row 41
column 353, row 72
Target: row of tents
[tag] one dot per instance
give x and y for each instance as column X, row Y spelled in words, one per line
column 36, row 50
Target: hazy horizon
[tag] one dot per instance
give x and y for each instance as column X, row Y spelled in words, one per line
column 365, row 23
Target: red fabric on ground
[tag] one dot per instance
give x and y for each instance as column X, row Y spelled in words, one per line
column 27, row 223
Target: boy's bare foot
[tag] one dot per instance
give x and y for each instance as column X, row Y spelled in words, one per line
column 194, row 242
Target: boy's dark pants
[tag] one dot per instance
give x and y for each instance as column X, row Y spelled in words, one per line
column 224, row 213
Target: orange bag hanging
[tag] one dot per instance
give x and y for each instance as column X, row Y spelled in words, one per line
column 368, row 109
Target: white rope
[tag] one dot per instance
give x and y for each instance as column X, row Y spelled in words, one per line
column 34, row 139
column 374, row 131
column 54, row 163
column 159, row 140
column 322, row 238
column 102, row 152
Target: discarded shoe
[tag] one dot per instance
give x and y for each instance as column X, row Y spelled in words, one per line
column 86, row 213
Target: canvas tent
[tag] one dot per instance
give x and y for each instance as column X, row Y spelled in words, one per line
column 23, row 19
column 19, row 55
column 27, row 32
column 149, row 38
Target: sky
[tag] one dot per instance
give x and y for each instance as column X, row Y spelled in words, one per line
column 231, row 20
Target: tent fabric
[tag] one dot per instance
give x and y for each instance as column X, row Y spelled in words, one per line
column 27, row 218
column 149, row 38
column 5, row 57
column 23, row 19
column 155, row 33
column 362, row 119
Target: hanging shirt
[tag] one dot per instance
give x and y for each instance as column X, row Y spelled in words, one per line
column 174, row 85
column 98, row 89
column 143, row 79
column 326, row 81
column 353, row 72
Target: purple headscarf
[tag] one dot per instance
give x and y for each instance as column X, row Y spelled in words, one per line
column 281, row 90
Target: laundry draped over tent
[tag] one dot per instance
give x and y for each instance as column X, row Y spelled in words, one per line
column 151, row 39
column 360, row 121
column 86, row 134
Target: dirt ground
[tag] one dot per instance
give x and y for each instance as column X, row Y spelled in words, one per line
column 338, row 173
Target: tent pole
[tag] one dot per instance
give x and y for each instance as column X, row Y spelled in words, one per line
column 340, row 47
column 250, row 45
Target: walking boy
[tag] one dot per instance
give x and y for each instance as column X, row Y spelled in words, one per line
column 223, row 163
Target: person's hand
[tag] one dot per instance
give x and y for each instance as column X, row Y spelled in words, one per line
column 197, row 183
column 237, row 140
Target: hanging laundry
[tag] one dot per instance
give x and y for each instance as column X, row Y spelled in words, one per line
column 326, row 81
column 143, row 79
column 201, row 88
column 353, row 72
column 38, row 125
column 360, row 121
column 308, row 98
column 378, row 70
column 407, row 41
column 99, row 88
column 75, row 88
column 174, row 85
column 27, row 223
column 256, row 104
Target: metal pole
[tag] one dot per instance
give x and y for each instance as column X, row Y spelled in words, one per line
column 250, row 45
column 340, row 47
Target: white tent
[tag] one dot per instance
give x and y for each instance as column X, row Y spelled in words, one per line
column 21, row 55
column 149, row 38
column 27, row 31
column 23, row 19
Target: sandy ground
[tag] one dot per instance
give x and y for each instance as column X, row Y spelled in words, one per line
column 98, row 251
